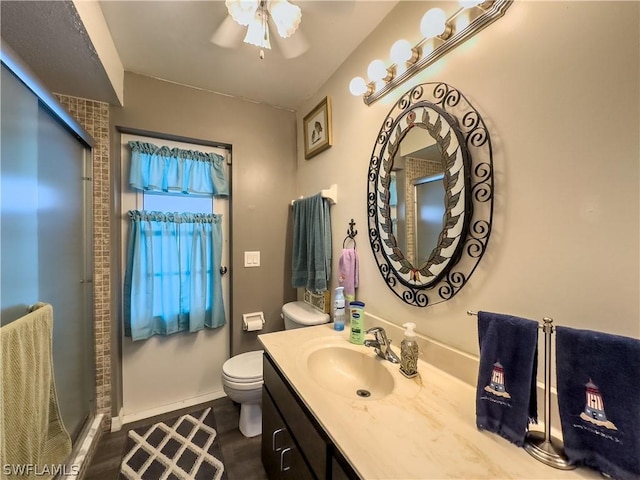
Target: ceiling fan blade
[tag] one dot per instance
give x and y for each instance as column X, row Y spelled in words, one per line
column 229, row 34
column 319, row 6
column 293, row 46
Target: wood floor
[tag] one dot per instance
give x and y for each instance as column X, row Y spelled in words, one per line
column 241, row 455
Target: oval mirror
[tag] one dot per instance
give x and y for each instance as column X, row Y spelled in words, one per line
column 430, row 194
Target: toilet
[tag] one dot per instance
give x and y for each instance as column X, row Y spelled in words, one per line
column 300, row 314
column 242, row 374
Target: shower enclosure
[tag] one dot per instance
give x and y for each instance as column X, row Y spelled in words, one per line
column 45, row 249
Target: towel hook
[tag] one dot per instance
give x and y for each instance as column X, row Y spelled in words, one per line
column 351, row 234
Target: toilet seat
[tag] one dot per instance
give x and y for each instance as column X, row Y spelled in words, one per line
column 242, row 386
column 244, row 369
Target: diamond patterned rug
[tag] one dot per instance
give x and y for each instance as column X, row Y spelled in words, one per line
column 183, row 448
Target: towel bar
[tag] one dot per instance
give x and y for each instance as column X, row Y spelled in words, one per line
column 475, row 314
column 35, row 306
column 330, row 194
column 541, row 445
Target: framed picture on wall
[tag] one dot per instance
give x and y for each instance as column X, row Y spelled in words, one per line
column 317, row 129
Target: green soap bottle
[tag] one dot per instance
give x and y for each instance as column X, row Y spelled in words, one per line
column 357, row 322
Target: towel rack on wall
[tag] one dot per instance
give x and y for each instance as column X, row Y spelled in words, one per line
column 35, row 306
column 541, row 445
column 330, row 194
column 351, row 234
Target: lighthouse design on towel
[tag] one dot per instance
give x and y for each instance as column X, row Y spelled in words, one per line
column 496, row 386
column 594, row 408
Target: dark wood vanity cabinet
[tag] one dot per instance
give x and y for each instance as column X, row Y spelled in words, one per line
column 294, row 446
column 280, row 455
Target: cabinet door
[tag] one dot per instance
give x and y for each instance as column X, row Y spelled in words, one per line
column 280, row 456
column 293, row 466
column 273, row 437
column 308, row 437
column 340, row 470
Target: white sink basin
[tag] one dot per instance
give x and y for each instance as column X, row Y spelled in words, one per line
column 349, row 372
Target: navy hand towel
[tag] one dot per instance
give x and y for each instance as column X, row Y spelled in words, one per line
column 599, row 400
column 506, row 394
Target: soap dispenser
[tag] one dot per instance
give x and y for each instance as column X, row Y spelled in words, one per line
column 409, row 351
column 338, row 310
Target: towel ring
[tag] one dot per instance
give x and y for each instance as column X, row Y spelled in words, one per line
column 344, row 243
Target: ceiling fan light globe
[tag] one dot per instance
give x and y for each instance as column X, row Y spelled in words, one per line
column 257, row 35
column 286, row 17
column 242, row 11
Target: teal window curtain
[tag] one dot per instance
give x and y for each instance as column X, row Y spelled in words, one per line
column 172, row 280
column 175, row 170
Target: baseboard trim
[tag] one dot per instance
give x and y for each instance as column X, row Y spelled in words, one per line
column 134, row 417
column 116, row 422
column 84, row 449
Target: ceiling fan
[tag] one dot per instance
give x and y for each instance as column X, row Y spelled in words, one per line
column 260, row 17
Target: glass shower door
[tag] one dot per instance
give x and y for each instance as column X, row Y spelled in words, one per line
column 45, row 249
column 64, row 273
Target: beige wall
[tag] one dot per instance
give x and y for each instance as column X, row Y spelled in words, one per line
column 263, row 185
column 558, row 84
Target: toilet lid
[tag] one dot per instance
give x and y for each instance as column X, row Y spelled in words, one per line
column 304, row 314
column 246, row 367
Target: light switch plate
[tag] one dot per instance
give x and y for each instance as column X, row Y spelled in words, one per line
column 251, row 259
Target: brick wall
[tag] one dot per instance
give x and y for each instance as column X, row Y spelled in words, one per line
column 415, row 168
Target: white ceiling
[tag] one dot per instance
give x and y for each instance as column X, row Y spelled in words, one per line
column 170, row 40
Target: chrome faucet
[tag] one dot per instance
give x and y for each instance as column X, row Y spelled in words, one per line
column 382, row 344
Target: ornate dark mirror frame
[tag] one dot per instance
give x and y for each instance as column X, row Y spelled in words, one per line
column 464, row 142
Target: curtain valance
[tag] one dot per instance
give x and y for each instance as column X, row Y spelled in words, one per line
column 174, row 217
column 175, row 170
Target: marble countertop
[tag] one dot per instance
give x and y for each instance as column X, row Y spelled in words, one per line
column 424, row 429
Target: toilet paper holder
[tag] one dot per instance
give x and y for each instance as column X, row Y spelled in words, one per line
column 252, row 321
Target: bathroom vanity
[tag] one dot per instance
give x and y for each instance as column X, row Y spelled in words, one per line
column 294, row 445
column 316, row 424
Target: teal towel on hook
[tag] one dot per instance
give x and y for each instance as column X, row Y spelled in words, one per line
column 311, row 243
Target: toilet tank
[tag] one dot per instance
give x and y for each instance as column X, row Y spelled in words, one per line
column 299, row 314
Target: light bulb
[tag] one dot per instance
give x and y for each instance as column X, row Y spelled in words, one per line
column 358, row 86
column 401, row 52
column 470, row 3
column 433, row 23
column 376, row 70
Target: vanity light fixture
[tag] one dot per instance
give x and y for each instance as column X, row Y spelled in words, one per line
column 403, row 54
column 440, row 35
